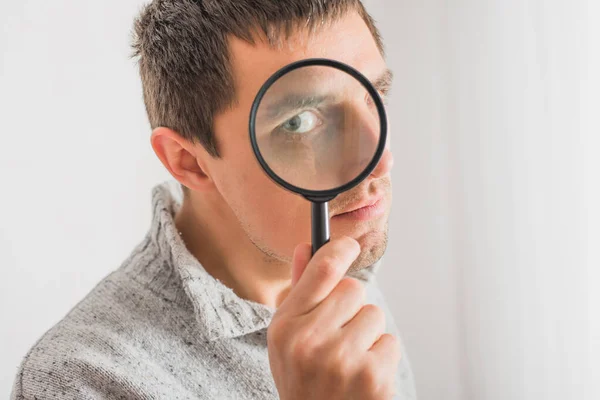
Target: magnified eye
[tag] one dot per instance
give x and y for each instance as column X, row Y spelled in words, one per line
column 301, row 123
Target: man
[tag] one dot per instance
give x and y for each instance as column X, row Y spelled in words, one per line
column 221, row 300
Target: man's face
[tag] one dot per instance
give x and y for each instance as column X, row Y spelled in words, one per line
column 274, row 219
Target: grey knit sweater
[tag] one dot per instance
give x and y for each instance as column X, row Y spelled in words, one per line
column 161, row 327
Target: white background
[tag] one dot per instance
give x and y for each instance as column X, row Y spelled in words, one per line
column 492, row 272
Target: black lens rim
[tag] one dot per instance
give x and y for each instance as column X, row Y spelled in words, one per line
column 383, row 123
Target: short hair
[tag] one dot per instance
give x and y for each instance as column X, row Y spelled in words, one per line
column 184, row 59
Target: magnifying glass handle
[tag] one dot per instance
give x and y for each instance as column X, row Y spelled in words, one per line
column 320, row 225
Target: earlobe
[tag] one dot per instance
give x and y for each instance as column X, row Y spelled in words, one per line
column 180, row 158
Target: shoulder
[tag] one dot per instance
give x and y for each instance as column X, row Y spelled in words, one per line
column 98, row 343
column 64, row 356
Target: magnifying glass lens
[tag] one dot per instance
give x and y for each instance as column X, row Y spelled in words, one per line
column 317, row 128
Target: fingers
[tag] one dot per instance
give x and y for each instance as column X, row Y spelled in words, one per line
column 344, row 302
column 386, row 351
column 384, row 357
column 321, row 275
column 302, row 255
column 365, row 328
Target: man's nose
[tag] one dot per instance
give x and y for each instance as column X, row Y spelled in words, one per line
column 371, row 136
column 363, row 136
column 385, row 163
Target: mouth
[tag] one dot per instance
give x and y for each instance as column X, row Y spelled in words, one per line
column 364, row 210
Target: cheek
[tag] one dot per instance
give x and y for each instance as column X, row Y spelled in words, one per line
column 274, row 218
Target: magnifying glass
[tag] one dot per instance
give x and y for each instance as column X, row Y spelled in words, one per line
column 318, row 128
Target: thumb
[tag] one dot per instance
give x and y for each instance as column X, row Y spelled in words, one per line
column 302, row 255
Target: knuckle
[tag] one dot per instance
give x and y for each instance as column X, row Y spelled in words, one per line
column 300, row 353
column 327, row 266
column 351, row 243
column 375, row 312
column 352, row 293
column 390, row 342
column 352, row 287
column 368, row 378
column 390, row 346
column 303, row 347
column 338, row 357
column 339, row 366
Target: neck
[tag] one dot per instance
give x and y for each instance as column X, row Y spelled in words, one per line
column 212, row 233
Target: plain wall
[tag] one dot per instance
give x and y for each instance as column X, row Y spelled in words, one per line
column 492, row 268
column 516, row 70
column 76, row 164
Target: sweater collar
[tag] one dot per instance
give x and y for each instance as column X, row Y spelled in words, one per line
column 219, row 312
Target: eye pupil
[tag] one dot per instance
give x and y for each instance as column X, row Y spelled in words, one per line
column 294, row 123
column 301, row 123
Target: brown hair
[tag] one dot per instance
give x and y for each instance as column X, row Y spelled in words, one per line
column 182, row 46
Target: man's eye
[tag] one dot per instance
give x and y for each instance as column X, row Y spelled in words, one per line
column 301, row 123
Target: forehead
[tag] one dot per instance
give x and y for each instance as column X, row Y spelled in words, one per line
column 348, row 40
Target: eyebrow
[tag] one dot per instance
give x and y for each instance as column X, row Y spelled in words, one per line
column 384, row 82
column 293, row 102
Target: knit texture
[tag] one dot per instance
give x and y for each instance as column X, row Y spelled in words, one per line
column 161, row 327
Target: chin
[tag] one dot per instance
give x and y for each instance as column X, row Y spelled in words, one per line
column 373, row 246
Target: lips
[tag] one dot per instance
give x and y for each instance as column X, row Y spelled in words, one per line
column 367, row 211
column 362, row 204
column 365, row 202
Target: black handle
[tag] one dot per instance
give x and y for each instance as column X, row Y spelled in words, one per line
column 320, row 225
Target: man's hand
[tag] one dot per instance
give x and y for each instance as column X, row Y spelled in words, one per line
column 324, row 342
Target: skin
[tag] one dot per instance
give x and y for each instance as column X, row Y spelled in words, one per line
column 324, row 343
column 239, row 224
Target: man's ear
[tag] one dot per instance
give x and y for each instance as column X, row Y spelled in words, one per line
column 180, row 158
